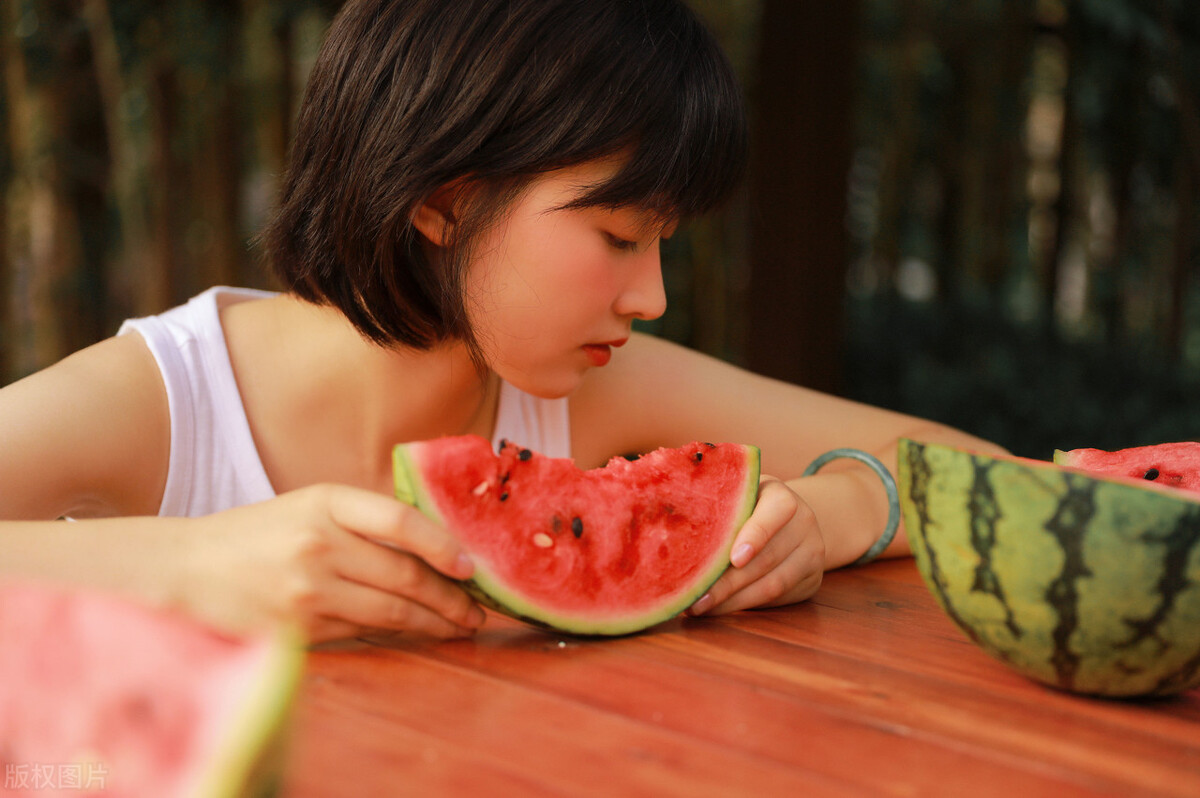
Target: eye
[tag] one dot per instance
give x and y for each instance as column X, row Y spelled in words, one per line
column 623, row 244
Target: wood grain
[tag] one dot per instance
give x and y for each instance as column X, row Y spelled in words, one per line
column 868, row 689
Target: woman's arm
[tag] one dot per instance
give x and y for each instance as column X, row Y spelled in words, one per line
column 86, row 437
column 336, row 561
column 89, row 438
column 655, row 393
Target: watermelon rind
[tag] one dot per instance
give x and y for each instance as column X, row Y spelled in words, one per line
column 250, row 761
column 495, row 594
column 1084, row 582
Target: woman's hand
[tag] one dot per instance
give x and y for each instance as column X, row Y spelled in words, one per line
column 778, row 556
column 336, row 560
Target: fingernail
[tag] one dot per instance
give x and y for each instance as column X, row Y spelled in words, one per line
column 464, row 565
column 702, row 605
column 741, row 555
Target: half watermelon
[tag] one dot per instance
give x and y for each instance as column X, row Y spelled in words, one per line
column 606, row 551
column 103, row 696
column 1084, row 581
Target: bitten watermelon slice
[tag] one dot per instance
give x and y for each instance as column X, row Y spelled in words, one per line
column 102, row 696
column 1173, row 464
column 607, row 551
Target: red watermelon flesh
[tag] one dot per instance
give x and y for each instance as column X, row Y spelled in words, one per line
column 99, row 695
column 605, row 551
column 1174, row 465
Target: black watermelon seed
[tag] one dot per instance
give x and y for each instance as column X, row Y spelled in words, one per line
column 698, row 456
column 1152, row 474
column 711, row 445
column 577, row 526
column 525, row 455
column 504, row 496
column 503, row 444
column 504, row 478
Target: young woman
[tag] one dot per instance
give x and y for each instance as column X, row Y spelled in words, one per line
column 468, row 228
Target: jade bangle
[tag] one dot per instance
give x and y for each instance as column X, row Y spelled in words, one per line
column 889, row 485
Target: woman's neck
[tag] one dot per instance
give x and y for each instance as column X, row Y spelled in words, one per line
column 325, row 404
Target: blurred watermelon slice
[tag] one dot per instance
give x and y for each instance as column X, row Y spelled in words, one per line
column 103, row 696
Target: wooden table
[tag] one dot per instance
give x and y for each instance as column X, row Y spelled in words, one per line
column 868, row 689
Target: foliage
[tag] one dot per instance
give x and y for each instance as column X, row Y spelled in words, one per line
column 143, row 138
column 977, row 370
column 1022, row 205
column 1023, row 208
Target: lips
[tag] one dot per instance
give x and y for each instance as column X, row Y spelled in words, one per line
column 600, row 354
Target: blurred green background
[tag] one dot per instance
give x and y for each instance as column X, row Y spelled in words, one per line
column 978, row 211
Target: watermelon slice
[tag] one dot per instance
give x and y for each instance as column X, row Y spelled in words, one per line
column 101, row 696
column 1176, row 465
column 608, row 551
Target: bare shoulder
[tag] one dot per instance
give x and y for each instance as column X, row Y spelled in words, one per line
column 87, row 436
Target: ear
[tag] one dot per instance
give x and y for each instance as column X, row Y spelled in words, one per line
column 435, row 218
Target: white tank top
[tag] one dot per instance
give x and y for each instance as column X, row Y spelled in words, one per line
column 214, row 464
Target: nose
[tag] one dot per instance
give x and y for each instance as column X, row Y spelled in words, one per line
column 644, row 296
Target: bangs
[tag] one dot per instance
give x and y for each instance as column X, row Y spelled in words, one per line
column 680, row 165
column 678, row 124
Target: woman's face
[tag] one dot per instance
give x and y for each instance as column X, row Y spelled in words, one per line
column 552, row 293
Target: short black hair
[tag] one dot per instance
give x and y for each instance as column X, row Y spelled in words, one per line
column 409, row 96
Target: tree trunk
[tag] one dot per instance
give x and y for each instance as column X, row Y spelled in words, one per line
column 1187, row 176
column 1185, row 94
column 217, row 175
column 900, row 148
column 1180, row 267
column 130, row 269
column 269, row 100
column 46, row 241
column 800, row 162
column 85, row 181
column 278, row 120
column 1005, row 160
column 8, row 329
column 1050, row 256
column 949, row 138
column 1127, row 115
column 160, row 286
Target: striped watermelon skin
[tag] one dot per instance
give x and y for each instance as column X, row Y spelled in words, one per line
column 1086, row 583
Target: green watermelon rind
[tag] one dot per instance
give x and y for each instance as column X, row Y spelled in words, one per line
column 249, row 762
column 1085, row 582
column 491, row 592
